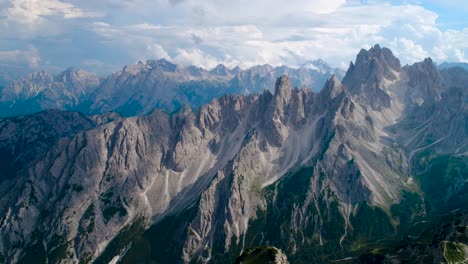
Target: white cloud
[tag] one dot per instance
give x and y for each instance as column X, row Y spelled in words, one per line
column 29, row 57
column 27, row 20
column 157, row 51
column 406, row 48
column 290, row 34
column 243, row 32
column 195, row 57
column 32, row 11
column 460, row 55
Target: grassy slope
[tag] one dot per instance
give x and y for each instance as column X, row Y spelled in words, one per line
column 259, row 255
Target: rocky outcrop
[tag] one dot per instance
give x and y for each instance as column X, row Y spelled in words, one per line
column 315, row 174
column 370, row 76
column 25, row 139
column 262, row 255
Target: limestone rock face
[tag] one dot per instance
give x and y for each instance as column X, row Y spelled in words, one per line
column 370, row 76
column 25, row 139
column 295, row 169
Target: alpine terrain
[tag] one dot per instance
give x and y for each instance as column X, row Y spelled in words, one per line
column 371, row 169
column 137, row 89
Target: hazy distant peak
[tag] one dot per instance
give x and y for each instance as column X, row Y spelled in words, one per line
column 73, row 73
column 220, row 69
column 140, row 87
column 162, row 64
column 196, row 71
column 447, row 65
column 317, row 65
column 236, row 70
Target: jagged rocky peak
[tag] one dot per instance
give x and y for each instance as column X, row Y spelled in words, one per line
column 133, row 69
column 371, row 67
column 332, row 87
column 139, row 87
column 425, row 70
column 70, row 71
column 196, row 71
column 317, row 65
column 427, row 65
column 283, row 87
column 74, row 75
column 382, row 55
column 185, row 110
column 220, row 69
column 236, row 70
column 280, row 110
column 370, row 76
column 283, row 92
column 425, row 81
column 37, row 76
column 28, row 86
column 40, row 74
column 328, row 172
column 41, row 90
column 261, row 68
column 78, row 76
column 162, row 64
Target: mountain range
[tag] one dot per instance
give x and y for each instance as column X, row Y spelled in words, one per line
column 446, row 65
column 137, row 89
column 370, row 169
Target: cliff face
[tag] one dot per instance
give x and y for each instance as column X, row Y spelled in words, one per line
column 310, row 173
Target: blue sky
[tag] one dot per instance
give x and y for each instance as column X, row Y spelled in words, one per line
column 103, row 36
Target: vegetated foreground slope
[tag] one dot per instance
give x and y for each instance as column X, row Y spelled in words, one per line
column 322, row 176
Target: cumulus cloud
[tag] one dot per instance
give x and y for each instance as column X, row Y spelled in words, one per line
column 195, row 57
column 332, row 31
column 29, row 19
column 157, row 51
column 243, row 32
column 29, row 57
column 30, row 11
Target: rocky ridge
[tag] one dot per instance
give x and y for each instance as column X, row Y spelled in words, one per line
column 315, row 174
column 137, row 89
column 43, row 91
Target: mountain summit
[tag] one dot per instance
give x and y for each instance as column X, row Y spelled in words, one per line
column 373, row 71
column 322, row 177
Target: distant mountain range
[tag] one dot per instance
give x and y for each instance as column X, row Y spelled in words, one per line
column 140, row 88
column 447, row 65
column 371, row 169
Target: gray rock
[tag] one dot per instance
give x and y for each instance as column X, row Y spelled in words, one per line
column 138, row 89
column 355, row 143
